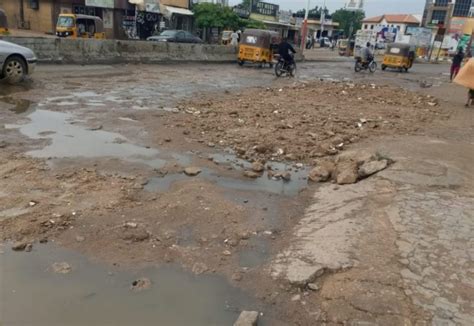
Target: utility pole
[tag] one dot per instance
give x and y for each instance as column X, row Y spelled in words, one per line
column 323, row 17
column 304, row 31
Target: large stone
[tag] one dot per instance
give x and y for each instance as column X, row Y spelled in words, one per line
column 258, row 167
column 347, row 173
column 358, row 156
column 247, row 318
column 192, row 171
column 322, row 172
column 369, row 168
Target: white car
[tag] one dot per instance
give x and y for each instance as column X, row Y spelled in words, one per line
column 16, row 62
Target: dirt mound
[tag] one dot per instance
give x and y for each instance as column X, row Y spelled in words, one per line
column 307, row 120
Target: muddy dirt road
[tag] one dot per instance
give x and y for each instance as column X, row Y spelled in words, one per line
column 177, row 195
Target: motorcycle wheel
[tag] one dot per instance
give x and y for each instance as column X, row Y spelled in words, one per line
column 279, row 69
column 372, row 67
column 357, row 67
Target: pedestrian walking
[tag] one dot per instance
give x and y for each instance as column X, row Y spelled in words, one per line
column 234, row 39
column 465, row 77
column 456, row 65
column 470, row 98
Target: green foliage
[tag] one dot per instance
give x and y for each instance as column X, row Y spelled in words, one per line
column 346, row 17
column 250, row 23
column 209, row 15
column 314, row 13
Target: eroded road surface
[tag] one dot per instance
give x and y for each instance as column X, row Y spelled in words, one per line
column 179, row 195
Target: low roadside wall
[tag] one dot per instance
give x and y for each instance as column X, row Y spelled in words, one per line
column 90, row 51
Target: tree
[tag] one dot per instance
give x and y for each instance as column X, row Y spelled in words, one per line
column 209, row 15
column 314, row 13
column 250, row 23
column 348, row 18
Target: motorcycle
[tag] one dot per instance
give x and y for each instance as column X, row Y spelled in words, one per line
column 370, row 65
column 285, row 68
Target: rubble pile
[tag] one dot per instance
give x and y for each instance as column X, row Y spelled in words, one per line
column 304, row 122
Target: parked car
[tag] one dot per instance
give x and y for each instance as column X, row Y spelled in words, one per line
column 175, row 36
column 16, row 62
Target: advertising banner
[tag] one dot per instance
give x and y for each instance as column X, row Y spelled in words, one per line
column 100, row 3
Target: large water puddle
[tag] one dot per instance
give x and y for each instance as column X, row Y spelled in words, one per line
column 92, row 294
column 69, row 138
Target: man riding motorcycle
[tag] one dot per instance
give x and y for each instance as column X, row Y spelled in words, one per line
column 367, row 54
column 284, row 50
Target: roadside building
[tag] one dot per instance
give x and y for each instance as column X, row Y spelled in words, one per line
column 177, row 14
column 318, row 29
column 399, row 22
column 438, row 12
column 123, row 19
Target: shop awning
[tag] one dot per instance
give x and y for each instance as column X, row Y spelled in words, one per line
column 169, row 11
column 268, row 22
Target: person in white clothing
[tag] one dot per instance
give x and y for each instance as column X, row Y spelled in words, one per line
column 234, row 39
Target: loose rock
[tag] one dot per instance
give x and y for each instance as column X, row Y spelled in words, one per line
column 199, row 268
column 192, row 171
column 61, row 268
column 247, row 318
column 19, row 246
column 80, row 238
column 141, row 284
column 313, row 286
column 371, row 168
column 251, row 174
column 258, row 167
column 346, row 173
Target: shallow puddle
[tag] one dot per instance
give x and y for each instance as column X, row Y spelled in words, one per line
column 69, row 140
column 264, row 183
column 93, row 294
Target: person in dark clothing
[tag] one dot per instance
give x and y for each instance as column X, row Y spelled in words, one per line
column 456, row 66
column 284, row 50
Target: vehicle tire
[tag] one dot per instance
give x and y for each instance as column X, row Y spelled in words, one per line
column 241, row 63
column 373, row 66
column 292, row 70
column 384, row 67
column 406, row 69
column 14, row 69
column 279, row 69
column 357, row 67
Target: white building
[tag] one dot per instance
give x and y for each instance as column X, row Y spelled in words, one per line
column 219, row 2
column 400, row 22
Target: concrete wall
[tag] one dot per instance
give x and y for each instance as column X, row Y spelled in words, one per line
column 40, row 20
column 90, row 51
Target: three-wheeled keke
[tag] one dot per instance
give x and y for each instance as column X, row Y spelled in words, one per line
column 3, row 23
column 342, row 46
column 398, row 56
column 258, row 46
column 80, row 26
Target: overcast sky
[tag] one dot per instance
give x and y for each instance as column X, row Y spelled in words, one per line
column 372, row 7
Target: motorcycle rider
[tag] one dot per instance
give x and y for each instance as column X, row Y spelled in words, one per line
column 284, row 49
column 367, row 54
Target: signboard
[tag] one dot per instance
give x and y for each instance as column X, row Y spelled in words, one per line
column 285, row 16
column 364, row 36
column 266, row 9
column 420, row 36
column 242, row 12
column 457, row 25
column 100, row 3
column 355, row 5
